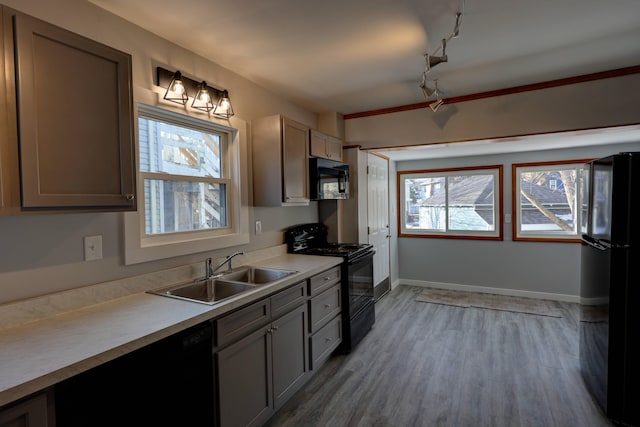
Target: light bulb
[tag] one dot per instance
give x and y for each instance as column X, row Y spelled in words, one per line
column 204, row 96
column 178, row 87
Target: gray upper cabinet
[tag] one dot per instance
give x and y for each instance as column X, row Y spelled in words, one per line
column 280, row 149
column 71, row 100
column 325, row 146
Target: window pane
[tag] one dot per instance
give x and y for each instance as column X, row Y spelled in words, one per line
column 548, row 200
column 471, row 202
column 178, row 150
column 177, row 206
column 425, row 203
column 451, row 203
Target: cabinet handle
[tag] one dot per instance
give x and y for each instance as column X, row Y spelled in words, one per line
column 327, row 340
column 327, row 306
column 327, row 278
column 275, row 328
column 129, row 197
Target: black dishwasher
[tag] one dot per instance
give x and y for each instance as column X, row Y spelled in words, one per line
column 167, row 383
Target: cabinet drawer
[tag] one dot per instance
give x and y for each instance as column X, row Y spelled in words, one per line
column 324, row 281
column 325, row 341
column 288, row 299
column 242, row 322
column 324, row 307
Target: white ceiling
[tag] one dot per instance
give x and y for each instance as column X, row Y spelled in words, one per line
column 359, row 55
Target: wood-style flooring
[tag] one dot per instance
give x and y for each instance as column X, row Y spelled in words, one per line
column 434, row 365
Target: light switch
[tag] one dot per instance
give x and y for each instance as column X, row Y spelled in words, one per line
column 258, row 227
column 92, row 247
column 507, row 218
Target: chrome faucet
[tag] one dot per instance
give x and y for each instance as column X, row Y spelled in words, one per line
column 210, row 271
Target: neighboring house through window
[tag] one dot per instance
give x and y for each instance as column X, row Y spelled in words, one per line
column 457, row 203
column 547, row 200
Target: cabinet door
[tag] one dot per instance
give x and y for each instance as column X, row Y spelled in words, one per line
column 333, row 149
column 244, row 381
column 29, row 413
column 9, row 160
column 75, row 119
column 295, row 163
column 290, row 354
column 317, row 144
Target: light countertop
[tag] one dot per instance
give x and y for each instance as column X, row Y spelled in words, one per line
column 38, row 354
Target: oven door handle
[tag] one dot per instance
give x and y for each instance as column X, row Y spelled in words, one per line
column 361, row 257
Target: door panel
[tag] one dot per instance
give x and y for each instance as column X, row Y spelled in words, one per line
column 378, row 220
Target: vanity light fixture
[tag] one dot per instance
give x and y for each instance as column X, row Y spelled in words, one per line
column 204, row 97
column 176, row 91
column 224, row 109
column 202, row 100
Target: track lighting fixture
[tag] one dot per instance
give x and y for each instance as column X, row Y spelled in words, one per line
column 436, row 104
column 205, row 98
column 431, row 60
column 439, row 101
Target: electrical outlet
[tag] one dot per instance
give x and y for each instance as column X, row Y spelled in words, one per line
column 507, row 218
column 92, row 247
column 258, row 227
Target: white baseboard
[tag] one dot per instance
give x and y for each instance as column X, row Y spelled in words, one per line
column 395, row 284
column 594, row 301
column 489, row 290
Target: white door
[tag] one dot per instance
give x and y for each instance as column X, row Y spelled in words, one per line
column 378, row 220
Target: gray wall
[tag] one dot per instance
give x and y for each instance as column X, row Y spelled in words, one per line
column 552, row 268
column 43, row 253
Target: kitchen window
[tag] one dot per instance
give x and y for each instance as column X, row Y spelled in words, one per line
column 190, row 176
column 451, row 203
column 547, row 200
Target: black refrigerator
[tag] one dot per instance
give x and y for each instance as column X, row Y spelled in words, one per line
column 610, row 286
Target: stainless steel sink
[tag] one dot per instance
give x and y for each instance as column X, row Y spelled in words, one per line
column 213, row 290
column 210, row 291
column 256, row 275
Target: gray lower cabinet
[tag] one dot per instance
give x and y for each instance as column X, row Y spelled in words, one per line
column 31, row 412
column 259, row 372
column 244, row 380
column 325, row 318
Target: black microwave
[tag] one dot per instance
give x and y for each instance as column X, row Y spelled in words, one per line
column 328, row 179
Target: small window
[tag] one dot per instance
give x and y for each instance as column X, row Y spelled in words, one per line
column 191, row 183
column 456, row 203
column 545, row 200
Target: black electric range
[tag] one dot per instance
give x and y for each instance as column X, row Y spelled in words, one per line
column 358, row 309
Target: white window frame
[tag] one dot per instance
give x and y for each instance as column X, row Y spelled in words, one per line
column 547, row 235
column 140, row 247
column 496, row 234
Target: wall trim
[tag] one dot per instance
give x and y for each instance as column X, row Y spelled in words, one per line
column 595, row 301
column 490, row 290
column 618, row 72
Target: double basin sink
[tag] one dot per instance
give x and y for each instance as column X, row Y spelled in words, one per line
column 214, row 289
